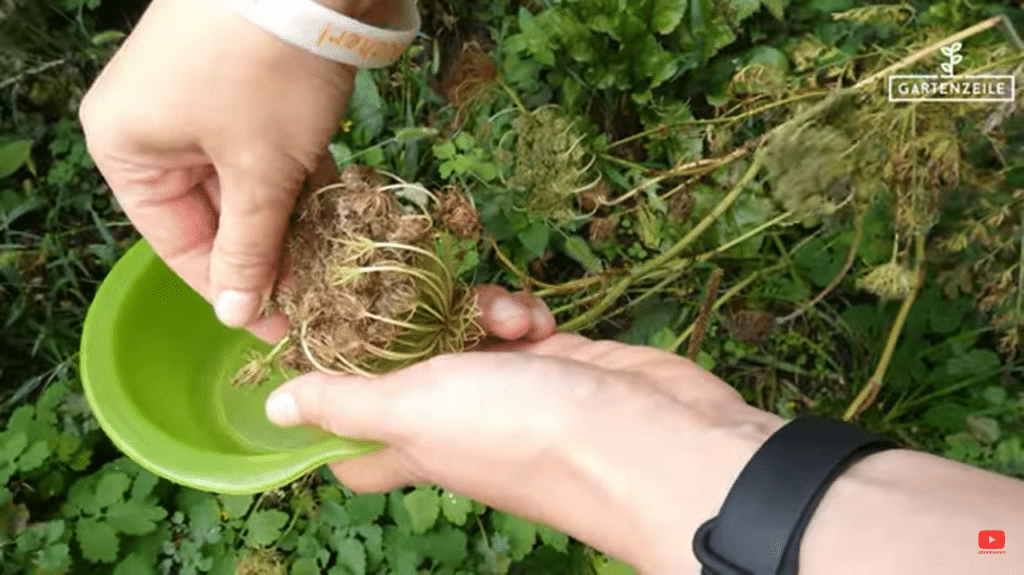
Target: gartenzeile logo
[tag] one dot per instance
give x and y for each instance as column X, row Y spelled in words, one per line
column 947, row 86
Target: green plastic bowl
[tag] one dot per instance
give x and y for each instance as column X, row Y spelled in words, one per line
column 157, row 368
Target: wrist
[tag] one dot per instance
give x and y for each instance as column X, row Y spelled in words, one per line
column 666, row 477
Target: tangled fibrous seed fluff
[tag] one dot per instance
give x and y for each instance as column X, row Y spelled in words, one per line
column 551, row 164
column 368, row 293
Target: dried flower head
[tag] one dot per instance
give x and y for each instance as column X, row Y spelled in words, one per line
column 888, row 281
column 369, row 293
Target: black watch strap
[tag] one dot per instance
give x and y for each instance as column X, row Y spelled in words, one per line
column 758, row 530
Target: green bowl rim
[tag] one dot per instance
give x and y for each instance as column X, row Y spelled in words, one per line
column 143, row 442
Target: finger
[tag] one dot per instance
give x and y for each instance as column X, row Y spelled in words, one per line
column 348, row 406
column 503, row 315
column 375, row 473
column 542, row 323
column 257, row 198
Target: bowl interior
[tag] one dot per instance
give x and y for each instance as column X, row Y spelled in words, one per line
column 157, row 369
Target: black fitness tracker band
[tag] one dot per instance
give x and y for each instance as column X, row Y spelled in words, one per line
column 758, row 530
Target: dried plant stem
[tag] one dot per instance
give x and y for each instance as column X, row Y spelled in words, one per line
column 928, row 50
column 728, row 295
column 654, row 264
column 701, row 324
column 869, row 392
column 851, row 255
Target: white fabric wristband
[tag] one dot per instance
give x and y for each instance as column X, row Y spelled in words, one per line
column 324, row 32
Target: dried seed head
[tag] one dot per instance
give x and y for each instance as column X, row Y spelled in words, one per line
column 888, row 281
column 458, row 214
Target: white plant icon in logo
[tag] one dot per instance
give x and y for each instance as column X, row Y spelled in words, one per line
column 951, row 52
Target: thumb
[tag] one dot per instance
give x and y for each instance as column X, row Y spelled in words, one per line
column 256, row 204
column 349, row 406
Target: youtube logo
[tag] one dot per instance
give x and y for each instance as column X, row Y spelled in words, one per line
column 991, row 539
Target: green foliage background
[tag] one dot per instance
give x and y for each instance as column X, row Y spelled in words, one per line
column 635, row 96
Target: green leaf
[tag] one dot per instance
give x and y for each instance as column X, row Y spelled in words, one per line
column 12, row 447
column 535, row 239
column 304, row 566
column 667, row 14
column 522, row 534
column 608, row 566
column 135, row 518
column 445, row 150
column 455, row 507
column 111, row 489
column 365, row 508
column 984, row 429
column 406, row 135
column 423, row 505
column 133, row 564
column 334, row 514
column 556, row 539
column 264, row 527
column 54, row 557
column 351, row 557
column 13, row 156
column 97, row 540
column 447, row 547
column 235, row 506
column 775, row 7
column 578, row 249
column 144, row 484
column 366, row 108
column 974, row 362
column 34, row 457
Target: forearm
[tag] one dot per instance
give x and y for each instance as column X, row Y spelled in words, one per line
column 897, row 512
column 910, row 512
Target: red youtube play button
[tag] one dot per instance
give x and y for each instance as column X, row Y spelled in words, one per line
column 991, row 539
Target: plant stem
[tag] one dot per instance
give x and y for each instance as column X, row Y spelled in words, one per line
column 869, row 392
column 653, row 264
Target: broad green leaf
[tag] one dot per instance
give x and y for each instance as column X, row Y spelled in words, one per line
column 985, row 429
column 34, row 456
column 134, row 517
column 144, row 484
column 423, row 505
column 445, row 150
column 264, row 527
column 55, row 558
column 12, row 446
column 556, row 539
column 578, row 249
column 235, row 506
column 111, row 489
column 351, row 557
column 522, row 534
column 373, row 543
column 107, row 37
column 133, row 564
column 304, row 566
column 455, row 507
column 667, row 14
column 334, row 514
column 365, row 508
column 13, row 156
column 97, row 540
column 447, row 547
column 535, row 239
column 974, row 362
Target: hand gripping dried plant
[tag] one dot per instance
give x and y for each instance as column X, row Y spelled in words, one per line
column 370, row 291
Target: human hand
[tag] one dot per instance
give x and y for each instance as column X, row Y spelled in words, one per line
column 626, row 448
column 206, row 127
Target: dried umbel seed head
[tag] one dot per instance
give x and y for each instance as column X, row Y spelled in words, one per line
column 888, row 281
column 369, row 293
column 458, row 213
